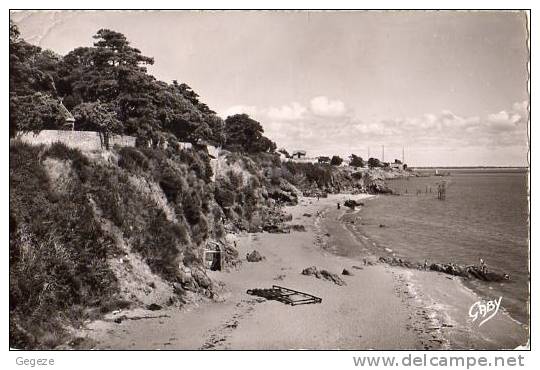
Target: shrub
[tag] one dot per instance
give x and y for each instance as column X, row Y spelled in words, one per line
column 336, row 160
column 224, row 197
column 321, row 174
column 198, row 161
column 79, row 162
column 160, row 245
column 171, row 182
column 133, row 160
column 192, row 207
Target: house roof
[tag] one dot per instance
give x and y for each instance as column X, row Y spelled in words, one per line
column 67, row 114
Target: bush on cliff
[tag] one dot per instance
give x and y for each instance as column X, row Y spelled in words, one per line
column 296, row 173
column 132, row 159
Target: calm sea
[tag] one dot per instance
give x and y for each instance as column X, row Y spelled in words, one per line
column 485, row 215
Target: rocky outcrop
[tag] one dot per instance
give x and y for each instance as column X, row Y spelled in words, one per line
column 323, row 274
column 352, row 204
column 283, row 197
column 378, row 186
column 395, row 261
column 471, row 271
column 254, row 256
column 465, row 271
column 300, row 228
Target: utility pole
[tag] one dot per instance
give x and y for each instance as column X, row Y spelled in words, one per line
column 402, row 154
column 383, row 153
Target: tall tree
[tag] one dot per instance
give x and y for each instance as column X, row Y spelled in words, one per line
column 113, row 50
column 99, row 117
column 33, row 113
column 356, row 161
column 29, row 67
column 243, row 133
column 336, row 160
column 374, row 162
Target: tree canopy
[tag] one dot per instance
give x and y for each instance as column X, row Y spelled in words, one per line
column 284, row 152
column 336, row 160
column 244, row 134
column 374, row 162
column 109, row 76
column 34, row 112
column 99, row 117
column 356, row 161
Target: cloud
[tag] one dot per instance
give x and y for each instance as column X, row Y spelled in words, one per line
column 292, row 112
column 508, row 122
column 522, row 108
column 238, row 109
column 322, row 106
column 326, row 126
column 502, row 116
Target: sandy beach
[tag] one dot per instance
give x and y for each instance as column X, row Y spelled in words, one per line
column 380, row 307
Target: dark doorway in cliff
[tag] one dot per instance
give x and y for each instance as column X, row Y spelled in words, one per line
column 214, row 256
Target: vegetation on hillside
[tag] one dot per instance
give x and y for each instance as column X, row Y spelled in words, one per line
column 59, row 247
column 57, row 250
column 71, row 215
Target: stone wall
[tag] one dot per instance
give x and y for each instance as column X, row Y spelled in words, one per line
column 83, row 140
column 90, row 141
column 305, row 160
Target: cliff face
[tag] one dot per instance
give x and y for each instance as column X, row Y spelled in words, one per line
column 320, row 179
column 95, row 232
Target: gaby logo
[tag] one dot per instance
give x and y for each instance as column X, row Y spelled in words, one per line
column 484, row 310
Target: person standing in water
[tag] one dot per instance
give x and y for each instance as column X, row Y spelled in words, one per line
column 483, row 266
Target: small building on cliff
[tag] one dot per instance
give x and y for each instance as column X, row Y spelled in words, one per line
column 68, row 117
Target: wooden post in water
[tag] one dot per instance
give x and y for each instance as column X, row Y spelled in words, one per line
column 441, row 190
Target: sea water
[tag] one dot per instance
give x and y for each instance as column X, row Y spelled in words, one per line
column 485, row 215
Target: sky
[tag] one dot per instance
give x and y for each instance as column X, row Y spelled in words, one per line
column 450, row 88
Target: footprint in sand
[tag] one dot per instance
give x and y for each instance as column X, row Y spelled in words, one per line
column 219, row 335
column 422, row 321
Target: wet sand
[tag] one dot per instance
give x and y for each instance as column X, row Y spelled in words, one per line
column 380, row 307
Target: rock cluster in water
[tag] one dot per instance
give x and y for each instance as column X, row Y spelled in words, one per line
column 466, row 271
